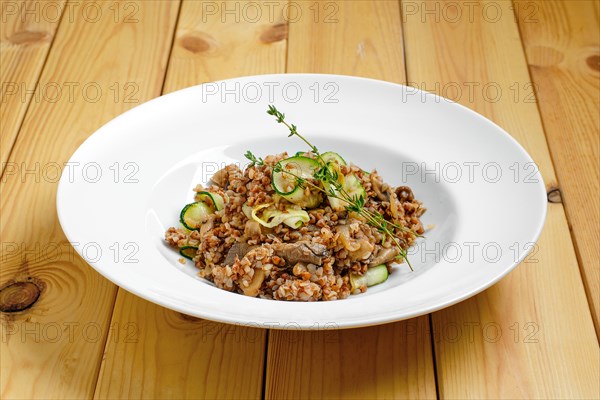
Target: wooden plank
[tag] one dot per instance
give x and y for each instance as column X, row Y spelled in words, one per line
column 193, row 358
column 362, row 39
column 54, row 348
column 562, row 52
column 378, row 362
column 531, row 335
column 389, row 361
column 222, row 40
column 26, row 32
column 156, row 353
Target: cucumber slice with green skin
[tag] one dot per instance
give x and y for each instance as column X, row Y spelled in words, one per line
column 188, row 252
column 353, row 187
column 194, row 214
column 373, row 276
column 331, row 156
column 304, row 198
column 299, row 153
column 212, row 199
column 335, row 203
column 285, row 182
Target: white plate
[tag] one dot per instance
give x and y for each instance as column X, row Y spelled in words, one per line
column 126, row 184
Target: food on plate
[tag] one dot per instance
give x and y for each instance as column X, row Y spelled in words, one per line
column 305, row 227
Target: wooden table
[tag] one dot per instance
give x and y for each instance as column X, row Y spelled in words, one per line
column 67, row 67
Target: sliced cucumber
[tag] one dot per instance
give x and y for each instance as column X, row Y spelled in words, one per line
column 352, row 187
column 373, row 276
column 193, row 215
column 331, row 156
column 188, row 252
column 212, row 199
column 285, row 182
column 271, row 217
column 304, row 198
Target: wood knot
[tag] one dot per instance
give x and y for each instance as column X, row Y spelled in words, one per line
column 554, row 195
column 274, row 33
column 197, row 44
column 27, row 37
column 593, row 62
column 18, row 296
column 544, row 56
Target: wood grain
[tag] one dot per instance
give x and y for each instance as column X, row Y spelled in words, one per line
column 378, row 362
column 53, row 349
column 178, row 356
column 563, row 52
column 388, row 361
column 25, row 38
column 156, row 353
column 361, row 38
column 531, row 335
column 220, row 40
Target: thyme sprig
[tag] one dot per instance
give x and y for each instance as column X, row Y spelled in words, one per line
column 329, row 179
column 280, row 117
column 253, row 159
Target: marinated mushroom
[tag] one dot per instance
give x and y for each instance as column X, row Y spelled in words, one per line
column 364, row 250
column 239, row 249
column 220, row 177
column 384, row 255
column 208, row 225
column 404, row 193
column 254, row 286
column 377, row 186
column 301, row 251
column 359, row 248
column 346, row 238
column 252, row 229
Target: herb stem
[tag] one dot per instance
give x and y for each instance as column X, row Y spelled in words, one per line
column 327, row 176
column 372, row 219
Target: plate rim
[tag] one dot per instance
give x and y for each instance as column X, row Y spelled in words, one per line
column 347, row 322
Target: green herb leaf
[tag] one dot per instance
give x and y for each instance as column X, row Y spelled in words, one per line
column 253, row 159
column 328, row 178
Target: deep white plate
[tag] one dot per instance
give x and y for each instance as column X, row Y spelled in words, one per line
column 126, row 184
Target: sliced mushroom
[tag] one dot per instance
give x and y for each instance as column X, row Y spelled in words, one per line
column 377, row 186
column 358, row 248
column 238, row 249
column 383, row 256
column 252, row 229
column 394, row 206
column 254, row 286
column 365, row 248
column 346, row 238
column 301, row 251
column 404, row 193
column 220, row 177
column 207, row 225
